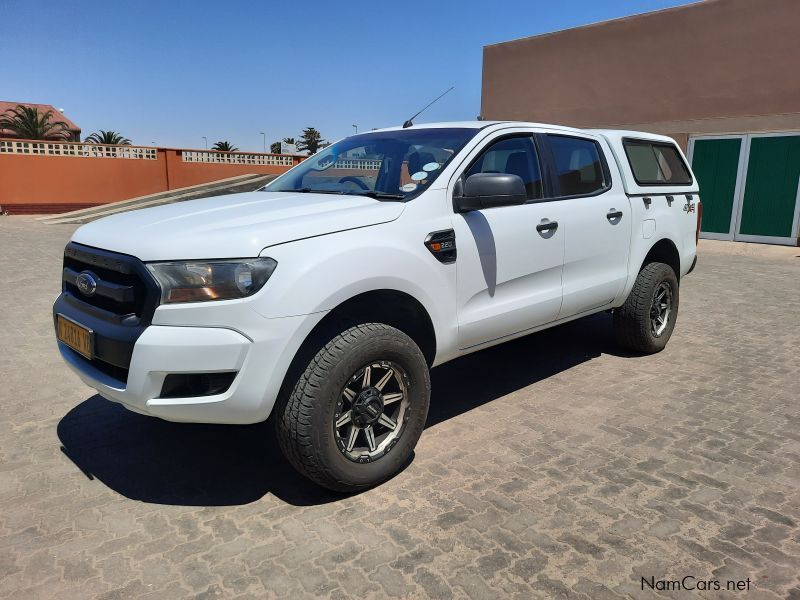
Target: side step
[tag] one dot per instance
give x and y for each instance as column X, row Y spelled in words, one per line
column 231, row 185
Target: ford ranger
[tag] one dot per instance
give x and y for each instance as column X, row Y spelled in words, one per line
column 323, row 299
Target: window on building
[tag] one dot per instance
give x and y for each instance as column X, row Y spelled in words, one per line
column 578, row 165
column 515, row 156
column 656, row 163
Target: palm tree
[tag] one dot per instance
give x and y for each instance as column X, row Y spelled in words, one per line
column 26, row 122
column 311, row 141
column 224, row 147
column 107, row 137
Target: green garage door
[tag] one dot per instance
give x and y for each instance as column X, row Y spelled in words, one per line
column 770, row 192
column 715, row 163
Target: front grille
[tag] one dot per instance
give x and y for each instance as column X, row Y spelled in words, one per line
column 118, row 311
column 123, row 283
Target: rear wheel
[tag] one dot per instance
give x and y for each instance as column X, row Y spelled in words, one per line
column 356, row 413
column 646, row 321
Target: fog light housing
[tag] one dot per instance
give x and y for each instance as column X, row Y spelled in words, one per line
column 193, row 385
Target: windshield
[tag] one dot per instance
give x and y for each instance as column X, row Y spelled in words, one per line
column 386, row 165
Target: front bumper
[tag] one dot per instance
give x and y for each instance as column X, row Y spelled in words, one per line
column 260, row 363
column 163, row 350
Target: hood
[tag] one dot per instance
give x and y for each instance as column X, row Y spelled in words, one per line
column 232, row 226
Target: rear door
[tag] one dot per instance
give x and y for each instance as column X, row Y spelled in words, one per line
column 596, row 222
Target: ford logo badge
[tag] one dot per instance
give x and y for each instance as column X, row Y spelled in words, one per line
column 87, row 284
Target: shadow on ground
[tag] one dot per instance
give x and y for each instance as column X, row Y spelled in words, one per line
column 152, row 460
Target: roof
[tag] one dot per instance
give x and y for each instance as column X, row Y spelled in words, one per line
column 478, row 125
column 42, row 108
column 620, row 134
column 609, row 133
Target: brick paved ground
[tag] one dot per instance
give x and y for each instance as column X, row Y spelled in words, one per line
column 565, row 469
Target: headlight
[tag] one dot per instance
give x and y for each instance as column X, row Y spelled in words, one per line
column 200, row 281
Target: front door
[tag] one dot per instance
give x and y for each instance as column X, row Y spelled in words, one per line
column 509, row 258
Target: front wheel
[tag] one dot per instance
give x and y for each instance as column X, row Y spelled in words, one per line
column 646, row 321
column 356, row 413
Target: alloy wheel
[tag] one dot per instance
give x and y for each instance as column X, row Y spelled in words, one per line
column 660, row 308
column 372, row 411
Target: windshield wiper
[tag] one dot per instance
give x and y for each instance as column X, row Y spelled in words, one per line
column 380, row 195
column 370, row 194
column 308, row 190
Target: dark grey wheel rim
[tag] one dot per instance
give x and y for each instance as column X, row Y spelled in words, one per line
column 661, row 308
column 372, row 411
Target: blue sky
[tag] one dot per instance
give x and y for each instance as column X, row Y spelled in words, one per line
column 172, row 72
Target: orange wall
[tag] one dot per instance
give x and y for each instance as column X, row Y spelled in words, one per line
column 183, row 174
column 40, row 184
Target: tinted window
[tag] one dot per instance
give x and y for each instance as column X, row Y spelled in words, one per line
column 656, row 163
column 515, row 156
column 578, row 165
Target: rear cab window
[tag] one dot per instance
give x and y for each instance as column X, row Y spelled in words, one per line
column 579, row 165
column 656, row 163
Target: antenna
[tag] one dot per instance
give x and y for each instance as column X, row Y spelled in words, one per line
column 409, row 123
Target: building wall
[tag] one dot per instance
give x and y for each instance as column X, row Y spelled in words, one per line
column 713, row 67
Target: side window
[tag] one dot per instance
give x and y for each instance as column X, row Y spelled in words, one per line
column 515, row 156
column 578, row 165
column 656, row 163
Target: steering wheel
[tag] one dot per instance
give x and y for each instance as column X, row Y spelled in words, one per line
column 356, row 180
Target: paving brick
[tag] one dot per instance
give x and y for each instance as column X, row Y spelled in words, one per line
column 571, row 470
column 434, row 586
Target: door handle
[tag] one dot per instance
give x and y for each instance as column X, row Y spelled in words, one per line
column 545, row 227
column 614, row 214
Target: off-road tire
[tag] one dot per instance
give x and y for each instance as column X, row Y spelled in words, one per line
column 632, row 321
column 304, row 416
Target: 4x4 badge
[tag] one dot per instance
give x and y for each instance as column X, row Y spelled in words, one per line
column 688, row 207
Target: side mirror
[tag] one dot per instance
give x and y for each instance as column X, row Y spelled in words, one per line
column 490, row 190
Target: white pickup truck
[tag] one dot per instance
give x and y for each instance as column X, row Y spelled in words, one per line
column 324, row 299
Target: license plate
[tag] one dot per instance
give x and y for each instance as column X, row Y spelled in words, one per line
column 77, row 337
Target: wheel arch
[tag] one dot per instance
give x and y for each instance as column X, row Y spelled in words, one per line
column 664, row 251
column 388, row 306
